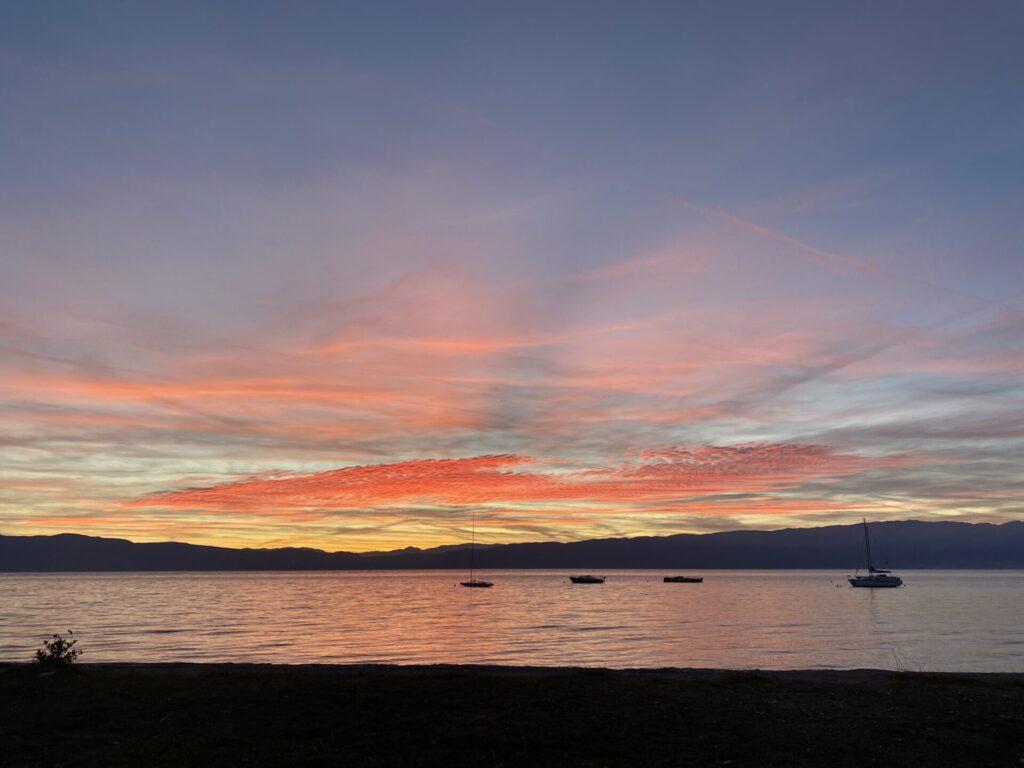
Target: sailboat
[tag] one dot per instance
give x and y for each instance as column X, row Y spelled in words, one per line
column 588, row 579
column 877, row 577
column 472, row 552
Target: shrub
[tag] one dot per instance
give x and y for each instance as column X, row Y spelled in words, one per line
column 59, row 652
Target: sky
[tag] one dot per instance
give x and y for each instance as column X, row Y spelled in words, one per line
column 352, row 275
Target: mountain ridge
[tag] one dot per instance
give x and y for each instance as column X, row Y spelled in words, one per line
column 901, row 544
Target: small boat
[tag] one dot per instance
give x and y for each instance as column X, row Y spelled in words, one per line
column 479, row 583
column 684, row 579
column 877, row 578
column 587, row 579
column 476, row 583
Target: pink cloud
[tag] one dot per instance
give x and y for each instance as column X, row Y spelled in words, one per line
column 650, row 477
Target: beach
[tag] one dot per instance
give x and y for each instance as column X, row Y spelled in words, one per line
column 281, row 715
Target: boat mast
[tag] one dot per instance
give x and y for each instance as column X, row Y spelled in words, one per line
column 472, row 546
column 867, row 546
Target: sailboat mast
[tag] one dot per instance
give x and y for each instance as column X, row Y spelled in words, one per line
column 867, row 546
column 472, row 547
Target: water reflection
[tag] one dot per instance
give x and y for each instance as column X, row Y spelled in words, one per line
column 773, row 619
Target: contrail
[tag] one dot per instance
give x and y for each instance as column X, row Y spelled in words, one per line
column 853, row 262
column 861, row 265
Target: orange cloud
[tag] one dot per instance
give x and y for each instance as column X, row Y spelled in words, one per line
column 652, row 476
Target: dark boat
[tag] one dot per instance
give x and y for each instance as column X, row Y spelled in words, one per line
column 684, row 579
column 587, row 579
column 877, row 578
column 480, row 583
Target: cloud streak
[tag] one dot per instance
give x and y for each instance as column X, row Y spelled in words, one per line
column 654, row 476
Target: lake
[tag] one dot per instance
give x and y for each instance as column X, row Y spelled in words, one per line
column 940, row 621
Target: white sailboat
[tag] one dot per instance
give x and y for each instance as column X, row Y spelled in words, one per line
column 877, row 578
column 474, row 582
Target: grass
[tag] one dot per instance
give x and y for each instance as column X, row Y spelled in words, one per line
column 253, row 715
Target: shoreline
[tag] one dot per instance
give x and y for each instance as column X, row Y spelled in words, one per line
column 527, row 670
column 845, row 570
column 181, row 714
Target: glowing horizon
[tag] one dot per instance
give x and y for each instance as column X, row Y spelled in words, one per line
column 345, row 278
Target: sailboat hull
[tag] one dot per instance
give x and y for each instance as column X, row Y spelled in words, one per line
column 476, row 583
column 876, row 582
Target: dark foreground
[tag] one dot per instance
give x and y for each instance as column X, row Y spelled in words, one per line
column 192, row 715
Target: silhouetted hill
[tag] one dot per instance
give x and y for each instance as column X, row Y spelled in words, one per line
column 905, row 544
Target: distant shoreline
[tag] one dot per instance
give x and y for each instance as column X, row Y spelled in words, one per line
column 903, row 545
column 440, row 569
column 438, row 715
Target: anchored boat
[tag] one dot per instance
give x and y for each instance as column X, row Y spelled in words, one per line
column 877, row 578
column 480, row 583
column 684, row 579
column 587, row 579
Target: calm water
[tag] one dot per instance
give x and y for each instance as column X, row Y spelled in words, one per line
column 966, row 621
